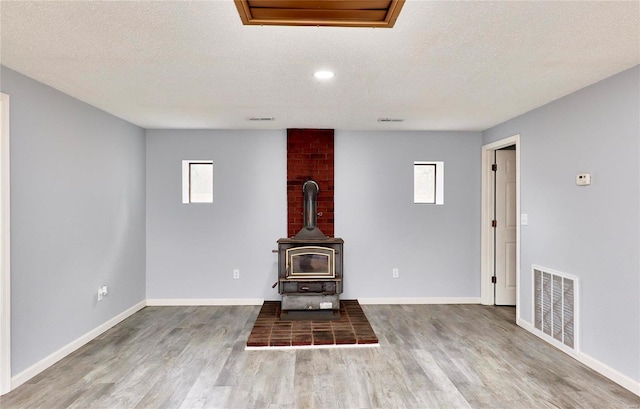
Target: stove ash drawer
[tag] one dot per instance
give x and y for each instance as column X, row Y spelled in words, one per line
column 322, row 287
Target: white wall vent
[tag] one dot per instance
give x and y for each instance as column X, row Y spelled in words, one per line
column 555, row 304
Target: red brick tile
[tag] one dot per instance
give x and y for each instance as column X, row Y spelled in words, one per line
column 301, row 326
column 280, row 342
column 351, row 328
column 367, row 340
column 280, row 334
column 323, row 339
column 258, row 342
column 305, row 339
column 346, row 341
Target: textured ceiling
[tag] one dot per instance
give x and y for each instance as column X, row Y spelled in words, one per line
column 444, row 66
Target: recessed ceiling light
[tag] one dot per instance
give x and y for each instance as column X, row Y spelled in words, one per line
column 323, row 75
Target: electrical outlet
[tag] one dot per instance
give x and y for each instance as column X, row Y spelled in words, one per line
column 395, row 273
column 236, row 274
column 583, row 179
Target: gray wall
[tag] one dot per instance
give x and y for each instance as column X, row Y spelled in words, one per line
column 192, row 249
column 590, row 232
column 77, row 217
column 435, row 248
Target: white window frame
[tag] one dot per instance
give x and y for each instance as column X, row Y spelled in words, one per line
column 186, row 180
column 438, row 182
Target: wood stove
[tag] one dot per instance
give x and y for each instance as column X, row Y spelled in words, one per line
column 310, row 264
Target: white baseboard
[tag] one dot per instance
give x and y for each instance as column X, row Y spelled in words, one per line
column 45, row 363
column 608, row 372
column 604, row 370
column 420, row 300
column 573, row 353
column 175, row 302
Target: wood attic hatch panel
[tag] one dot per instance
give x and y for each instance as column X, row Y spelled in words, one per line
column 337, row 13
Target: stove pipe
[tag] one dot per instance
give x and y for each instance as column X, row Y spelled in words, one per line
column 310, row 230
column 310, row 191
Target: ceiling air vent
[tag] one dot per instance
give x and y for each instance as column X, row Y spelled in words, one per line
column 390, row 120
column 262, row 118
column 337, row 13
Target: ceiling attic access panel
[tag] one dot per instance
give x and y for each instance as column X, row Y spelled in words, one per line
column 336, row 13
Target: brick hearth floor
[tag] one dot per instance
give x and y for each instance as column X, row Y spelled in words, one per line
column 350, row 329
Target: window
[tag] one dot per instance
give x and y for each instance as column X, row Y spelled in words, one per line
column 197, row 181
column 428, row 182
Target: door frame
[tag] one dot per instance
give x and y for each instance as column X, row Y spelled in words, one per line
column 487, row 245
column 5, row 252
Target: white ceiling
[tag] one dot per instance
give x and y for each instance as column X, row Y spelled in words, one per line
column 444, row 66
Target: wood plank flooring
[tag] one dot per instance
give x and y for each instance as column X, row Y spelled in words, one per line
column 430, row 356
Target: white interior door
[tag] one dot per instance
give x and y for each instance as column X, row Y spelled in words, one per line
column 505, row 230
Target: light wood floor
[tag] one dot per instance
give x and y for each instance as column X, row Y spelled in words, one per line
column 430, row 356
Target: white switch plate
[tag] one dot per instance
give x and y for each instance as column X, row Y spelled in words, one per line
column 583, row 179
column 102, row 292
column 524, row 219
